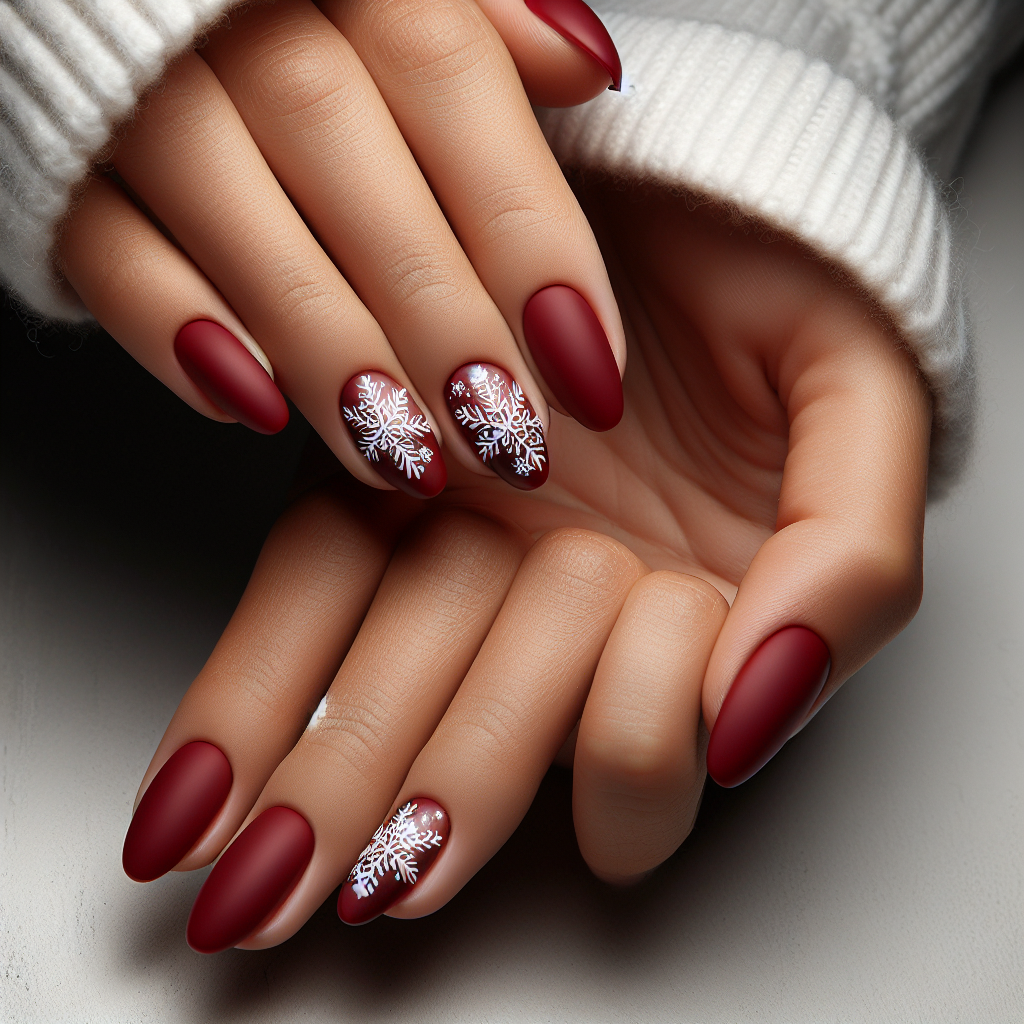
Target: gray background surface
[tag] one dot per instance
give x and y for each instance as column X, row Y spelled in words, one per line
column 873, row 872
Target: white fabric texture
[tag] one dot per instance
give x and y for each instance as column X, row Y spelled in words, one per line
column 832, row 120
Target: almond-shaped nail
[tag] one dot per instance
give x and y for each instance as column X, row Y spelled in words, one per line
column 572, row 353
column 230, row 376
column 392, row 434
column 767, row 701
column 575, row 21
column 253, row 877
column 176, row 809
column 398, row 856
column 497, row 419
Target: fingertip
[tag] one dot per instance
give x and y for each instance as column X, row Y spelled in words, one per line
column 562, row 51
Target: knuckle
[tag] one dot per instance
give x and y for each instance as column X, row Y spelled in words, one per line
column 582, row 564
column 294, row 83
column 516, row 208
column 892, row 572
column 636, row 762
column 464, row 555
column 422, row 273
column 432, row 43
column 355, row 735
column 674, row 597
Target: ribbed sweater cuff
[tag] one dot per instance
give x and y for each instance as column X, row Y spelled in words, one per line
column 784, row 139
column 68, row 72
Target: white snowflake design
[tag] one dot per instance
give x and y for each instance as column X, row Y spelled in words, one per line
column 393, row 848
column 383, row 423
column 502, row 420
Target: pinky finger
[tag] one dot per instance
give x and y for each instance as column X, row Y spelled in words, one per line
column 154, row 301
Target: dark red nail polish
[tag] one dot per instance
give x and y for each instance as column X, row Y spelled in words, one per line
column 572, row 353
column 255, row 875
column 769, row 698
column 393, row 435
column 230, row 376
column 399, row 855
column 575, row 21
column 176, row 809
column 497, row 419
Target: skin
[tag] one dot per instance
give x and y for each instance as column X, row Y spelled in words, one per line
column 770, row 468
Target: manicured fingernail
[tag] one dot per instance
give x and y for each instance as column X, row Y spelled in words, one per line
column 572, row 353
column 398, row 856
column 230, row 376
column 392, row 434
column 176, row 809
column 496, row 417
column 255, row 875
column 769, row 698
column 575, row 21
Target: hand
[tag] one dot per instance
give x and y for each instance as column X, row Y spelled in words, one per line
column 359, row 202
column 773, row 452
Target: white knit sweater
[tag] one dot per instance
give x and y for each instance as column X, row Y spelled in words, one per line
column 834, row 120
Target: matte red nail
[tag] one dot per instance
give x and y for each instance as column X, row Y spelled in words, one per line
column 399, row 855
column 392, row 433
column 575, row 21
column 230, row 376
column 572, row 353
column 769, row 698
column 255, row 875
column 496, row 417
column 181, row 801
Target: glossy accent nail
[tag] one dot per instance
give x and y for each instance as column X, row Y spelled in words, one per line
column 176, row 809
column 496, row 417
column 392, row 434
column 230, row 376
column 255, row 875
column 575, row 21
column 399, row 855
column 768, row 700
column 572, row 353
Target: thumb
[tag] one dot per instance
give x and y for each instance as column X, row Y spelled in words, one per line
column 562, row 50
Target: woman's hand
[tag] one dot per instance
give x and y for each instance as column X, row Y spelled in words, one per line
column 357, row 198
column 769, row 474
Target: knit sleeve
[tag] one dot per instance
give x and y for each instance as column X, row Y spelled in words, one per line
column 830, row 121
column 69, row 70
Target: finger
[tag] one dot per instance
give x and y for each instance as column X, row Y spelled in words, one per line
column 427, row 621
column 154, row 301
column 456, row 97
column 842, row 574
column 520, row 700
column 310, row 588
column 563, row 53
column 326, row 133
column 190, row 158
column 639, row 766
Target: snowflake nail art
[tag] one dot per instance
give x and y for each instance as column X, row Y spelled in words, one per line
column 394, row 861
column 392, row 433
column 496, row 417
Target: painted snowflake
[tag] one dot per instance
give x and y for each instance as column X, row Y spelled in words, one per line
column 393, row 848
column 502, row 420
column 383, row 422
